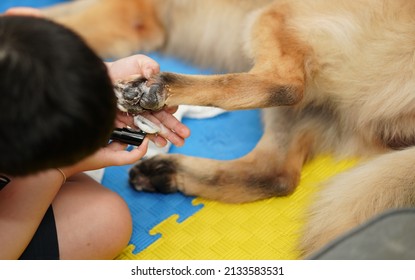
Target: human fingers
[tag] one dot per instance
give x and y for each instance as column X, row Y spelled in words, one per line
column 136, row 65
column 118, row 155
column 171, row 110
column 166, row 130
column 124, row 120
column 158, row 140
column 168, row 120
column 148, row 66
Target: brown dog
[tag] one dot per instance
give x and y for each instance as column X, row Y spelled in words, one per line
column 336, row 76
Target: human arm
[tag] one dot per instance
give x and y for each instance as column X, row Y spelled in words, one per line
column 24, row 201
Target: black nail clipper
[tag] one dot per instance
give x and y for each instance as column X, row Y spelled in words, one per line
column 128, row 136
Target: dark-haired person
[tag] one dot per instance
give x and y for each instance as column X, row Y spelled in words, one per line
column 57, row 111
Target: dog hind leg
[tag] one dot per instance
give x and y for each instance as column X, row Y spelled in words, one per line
column 272, row 168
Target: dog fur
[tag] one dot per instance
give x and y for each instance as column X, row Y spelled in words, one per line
column 333, row 76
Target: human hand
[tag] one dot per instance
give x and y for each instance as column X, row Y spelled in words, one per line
column 114, row 154
column 136, row 65
column 170, row 128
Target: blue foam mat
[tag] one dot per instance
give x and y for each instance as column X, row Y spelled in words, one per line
column 5, row 4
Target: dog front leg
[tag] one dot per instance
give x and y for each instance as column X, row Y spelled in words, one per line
column 230, row 91
column 276, row 79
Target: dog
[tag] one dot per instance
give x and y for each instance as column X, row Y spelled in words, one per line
column 331, row 76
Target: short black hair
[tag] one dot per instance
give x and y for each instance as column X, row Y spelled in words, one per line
column 57, row 100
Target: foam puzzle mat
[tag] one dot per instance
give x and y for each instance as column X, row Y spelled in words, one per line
column 176, row 226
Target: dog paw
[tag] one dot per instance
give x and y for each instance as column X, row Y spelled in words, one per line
column 137, row 95
column 156, row 174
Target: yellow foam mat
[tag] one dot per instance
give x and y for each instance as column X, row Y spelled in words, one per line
column 267, row 229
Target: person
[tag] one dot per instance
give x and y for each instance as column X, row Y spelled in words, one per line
column 57, row 111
